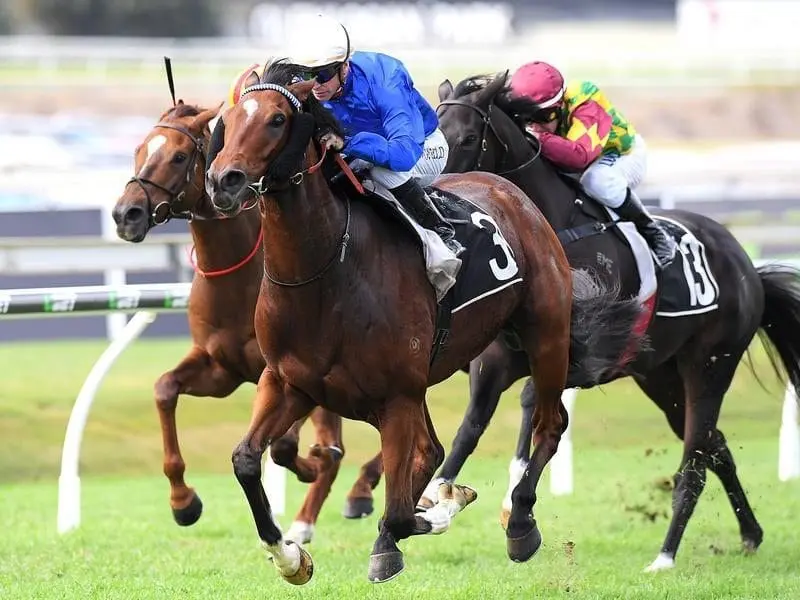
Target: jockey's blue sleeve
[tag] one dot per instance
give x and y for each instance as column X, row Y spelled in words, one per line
column 397, row 151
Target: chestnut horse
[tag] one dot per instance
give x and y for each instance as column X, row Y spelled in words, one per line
column 694, row 356
column 346, row 316
column 170, row 165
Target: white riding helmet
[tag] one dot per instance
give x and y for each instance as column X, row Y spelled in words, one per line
column 323, row 41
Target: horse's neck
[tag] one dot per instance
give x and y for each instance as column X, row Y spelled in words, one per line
column 303, row 230
column 545, row 188
column 220, row 243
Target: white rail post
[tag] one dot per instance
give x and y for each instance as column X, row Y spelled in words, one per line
column 561, row 477
column 789, row 444
column 69, row 481
column 273, row 479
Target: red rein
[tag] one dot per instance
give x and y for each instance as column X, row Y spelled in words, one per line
column 236, row 267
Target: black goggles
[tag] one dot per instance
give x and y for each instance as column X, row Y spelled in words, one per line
column 546, row 115
column 322, row 75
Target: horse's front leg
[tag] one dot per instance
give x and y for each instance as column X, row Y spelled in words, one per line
column 275, row 408
column 200, row 375
column 405, row 422
column 490, row 374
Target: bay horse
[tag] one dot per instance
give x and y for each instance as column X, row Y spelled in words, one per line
column 170, row 165
column 346, row 315
column 693, row 357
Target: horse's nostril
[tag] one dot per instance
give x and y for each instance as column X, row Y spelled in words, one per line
column 232, row 181
column 133, row 215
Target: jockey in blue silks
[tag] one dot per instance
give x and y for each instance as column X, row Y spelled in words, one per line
column 388, row 124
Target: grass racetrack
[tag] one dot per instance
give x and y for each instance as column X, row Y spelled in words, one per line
column 596, row 542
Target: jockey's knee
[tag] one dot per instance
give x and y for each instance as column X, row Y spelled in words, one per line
column 389, row 179
column 606, row 185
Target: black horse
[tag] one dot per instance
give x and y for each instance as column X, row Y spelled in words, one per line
column 691, row 359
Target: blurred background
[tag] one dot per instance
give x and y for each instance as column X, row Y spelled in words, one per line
column 714, row 86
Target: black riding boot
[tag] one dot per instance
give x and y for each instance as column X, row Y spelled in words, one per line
column 660, row 242
column 414, row 199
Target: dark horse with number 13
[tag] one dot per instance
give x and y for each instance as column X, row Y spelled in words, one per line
column 694, row 352
column 346, row 316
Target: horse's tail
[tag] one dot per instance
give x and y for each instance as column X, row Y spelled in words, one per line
column 780, row 323
column 601, row 328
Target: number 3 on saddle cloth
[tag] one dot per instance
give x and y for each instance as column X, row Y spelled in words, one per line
column 487, row 265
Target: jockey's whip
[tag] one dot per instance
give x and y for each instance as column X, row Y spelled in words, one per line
column 170, row 80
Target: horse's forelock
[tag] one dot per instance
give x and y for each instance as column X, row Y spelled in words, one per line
column 280, row 72
column 473, row 84
column 179, row 111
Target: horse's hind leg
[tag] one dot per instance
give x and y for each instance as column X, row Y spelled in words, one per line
column 359, row 502
column 518, row 464
column 721, row 463
column 545, row 333
column 490, row 374
column 706, row 377
column 329, row 450
column 274, row 411
column 200, row 375
column 665, row 387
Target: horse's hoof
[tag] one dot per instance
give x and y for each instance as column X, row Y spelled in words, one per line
column 523, row 548
column 358, row 508
column 385, row 566
column 752, row 541
column 332, row 453
column 189, row 514
column 750, row 546
column 304, row 573
column 505, row 515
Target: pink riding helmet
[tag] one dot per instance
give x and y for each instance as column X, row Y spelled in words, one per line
column 540, row 82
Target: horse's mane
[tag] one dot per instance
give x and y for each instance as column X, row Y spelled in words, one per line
column 519, row 109
column 281, row 72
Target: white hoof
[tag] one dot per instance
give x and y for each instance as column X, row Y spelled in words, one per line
column 300, row 533
column 285, row 555
column 440, row 517
column 661, row 563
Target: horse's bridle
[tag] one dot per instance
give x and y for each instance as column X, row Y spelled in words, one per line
column 175, row 196
column 486, row 115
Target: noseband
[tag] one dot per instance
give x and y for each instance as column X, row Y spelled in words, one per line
column 486, row 115
column 166, row 207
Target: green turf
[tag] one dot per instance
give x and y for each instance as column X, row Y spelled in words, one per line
column 596, row 541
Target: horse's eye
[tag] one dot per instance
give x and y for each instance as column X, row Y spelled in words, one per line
column 277, row 121
column 470, row 139
column 179, row 158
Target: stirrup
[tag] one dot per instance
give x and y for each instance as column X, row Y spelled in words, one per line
column 667, row 260
column 448, row 236
column 454, row 246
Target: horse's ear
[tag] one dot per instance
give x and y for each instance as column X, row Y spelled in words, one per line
column 445, row 90
column 180, row 102
column 251, row 80
column 302, row 89
column 201, row 121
